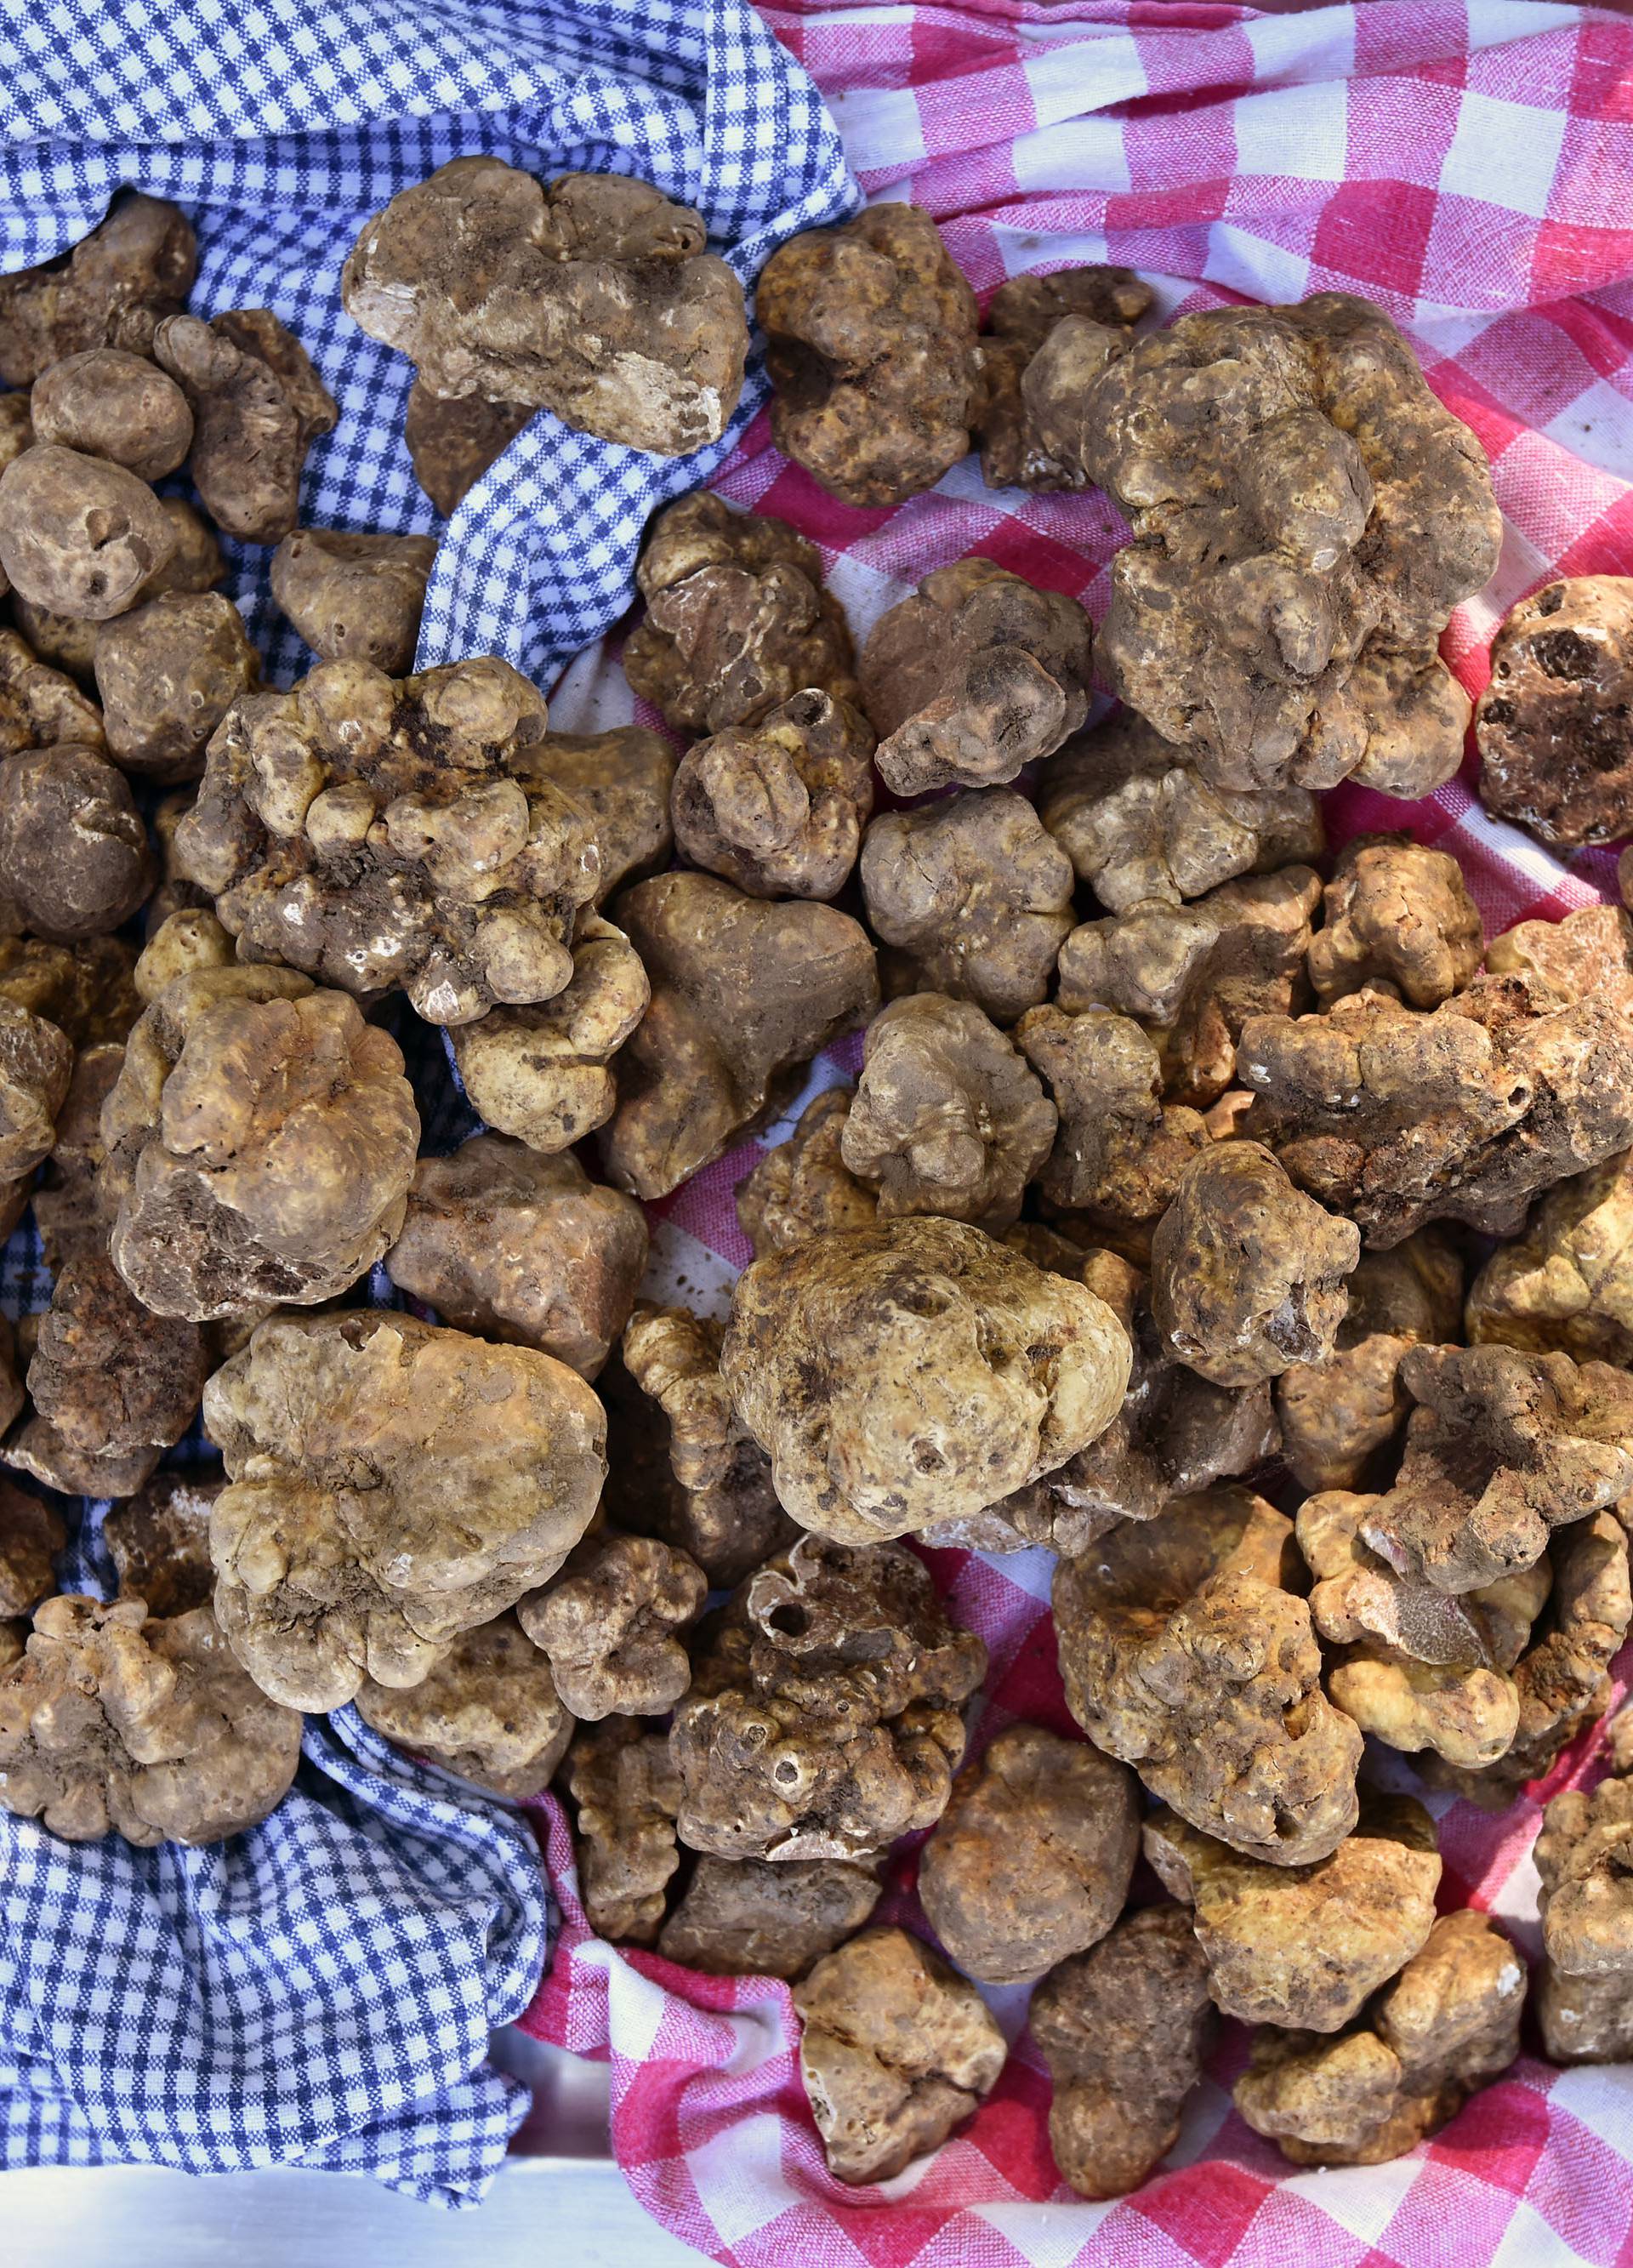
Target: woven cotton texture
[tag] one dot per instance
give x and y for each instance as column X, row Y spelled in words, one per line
column 1471, row 167
column 321, row 1991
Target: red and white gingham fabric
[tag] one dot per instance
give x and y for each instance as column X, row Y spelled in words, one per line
column 1469, row 165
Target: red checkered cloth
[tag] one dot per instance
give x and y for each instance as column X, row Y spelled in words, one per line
column 1470, row 166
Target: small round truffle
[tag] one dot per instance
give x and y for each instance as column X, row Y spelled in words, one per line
column 182, row 945
column 871, row 346
column 947, row 1116
column 975, row 894
column 77, row 534
column 107, row 403
column 610, row 1625
column 522, row 1248
column 167, row 672
column 916, row 1372
column 355, row 597
column 1032, row 1858
column 1555, row 746
column 758, row 1918
column 260, row 1141
column 896, row 2052
column 1247, row 1273
column 489, row 1711
column 778, row 807
column 975, row 675
column 115, row 1723
column 737, row 619
column 391, row 1486
column 75, row 860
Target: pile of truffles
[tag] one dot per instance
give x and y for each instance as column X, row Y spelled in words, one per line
column 1243, row 1228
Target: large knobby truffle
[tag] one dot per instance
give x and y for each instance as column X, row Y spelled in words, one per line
column 1032, row 1858
column 114, row 1724
column 976, row 674
column 744, row 993
column 916, row 1372
column 260, row 1146
column 376, row 832
column 594, row 296
column 871, row 333
column 391, row 1487
column 896, row 2052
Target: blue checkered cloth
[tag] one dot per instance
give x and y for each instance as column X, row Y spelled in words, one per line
column 281, row 125
column 320, row 1990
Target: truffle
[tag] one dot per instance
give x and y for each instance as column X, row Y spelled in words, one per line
column 626, row 1791
column 258, row 405
column 355, row 597
column 452, row 444
column 610, row 1625
column 1556, row 749
column 168, row 672
column 752, row 1918
column 109, row 289
column 74, row 856
column 1398, row 918
column 79, row 535
column 488, row 1709
column 105, row 402
column 778, row 807
column 803, row 1188
column 159, row 1543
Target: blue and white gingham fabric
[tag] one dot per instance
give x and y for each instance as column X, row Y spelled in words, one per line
column 320, row 1990
column 280, row 126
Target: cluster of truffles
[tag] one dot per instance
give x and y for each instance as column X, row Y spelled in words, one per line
column 1246, row 1229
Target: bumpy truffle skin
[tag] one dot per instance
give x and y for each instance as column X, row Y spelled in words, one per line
column 74, row 856
column 112, row 1385
column 375, row 832
column 86, row 988
column 824, row 1719
column 896, row 2052
column 594, row 297
column 1247, row 1273
column 68, row 1208
column 260, row 1142
column 160, row 1544
column 77, row 534
column 976, row 895
column 803, row 1188
column 40, row 707
column 184, row 943
column 609, row 1624
column 489, row 1711
column 1020, row 317
column 522, row 1248
column 871, row 333
column 948, row 1118
column 1140, row 825
column 1341, row 1417
column 737, row 619
column 1582, row 1855
column 916, row 1372
column 621, row 778
column 1119, row 1154
column 113, row 1723
column 194, row 564
column 1184, row 1655
column 1448, row 2025
column 167, row 672
column 452, row 444
column 1303, row 1947
column 973, row 676
column 1306, row 515
column 31, row 1534
column 543, row 1073
column 744, row 993
column 108, row 403
column 1583, row 2019
column 1465, row 1114
column 702, row 1483
column 136, row 264
column 1566, row 1282
column 1123, row 2030
column 1555, row 749
column 1399, row 918
column 626, row 1791
column 36, row 1063
column 1502, row 1448
column 751, row 1917
column 1032, row 1858
column 355, row 597
column 393, row 1486
column 258, row 405
column 778, row 807
column 1193, row 975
